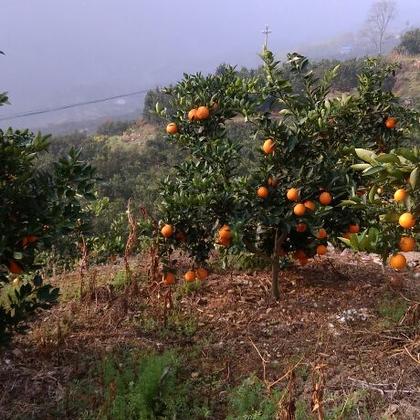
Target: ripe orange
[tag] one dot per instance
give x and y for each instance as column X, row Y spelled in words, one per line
column 167, row 231
column 201, row 273
column 354, row 228
column 272, row 182
column 298, row 254
column 172, row 128
column 269, row 146
column 262, row 192
column 299, row 209
column 322, row 233
column 30, row 239
column 168, row 278
column 225, row 233
column 192, row 115
column 310, row 205
column 390, row 122
column 325, row 198
column 293, row 194
column 15, row 267
column 301, row 227
column 397, row 261
column 189, row 276
column 303, row 261
column 400, row 195
column 224, row 242
column 202, row 113
column 407, row 244
column 321, row 249
column 407, row 220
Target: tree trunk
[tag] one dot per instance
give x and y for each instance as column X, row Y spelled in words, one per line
column 275, row 277
column 279, row 238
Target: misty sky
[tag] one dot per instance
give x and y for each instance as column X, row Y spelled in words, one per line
column 60, row 51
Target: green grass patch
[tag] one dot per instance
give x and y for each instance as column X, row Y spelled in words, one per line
column 136, row 385
column 251, row 401
column 392, row 308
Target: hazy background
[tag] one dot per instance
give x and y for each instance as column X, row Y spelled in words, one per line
column 65, row 51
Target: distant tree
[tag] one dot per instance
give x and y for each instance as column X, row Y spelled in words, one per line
column 381, row 14
column 221, row 69
column 410, row 42
column 114, row 128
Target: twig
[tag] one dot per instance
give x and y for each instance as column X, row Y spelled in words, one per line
column 376, row 387
column 286, row 374
column 264, row 362
column 411, row 356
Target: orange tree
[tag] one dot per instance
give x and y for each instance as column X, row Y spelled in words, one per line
column 291, row 205
column 35, row 208
column 392, row 204
column 296, row 194
column 199, row 198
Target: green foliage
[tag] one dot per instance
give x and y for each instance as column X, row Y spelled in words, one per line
column 250, row 401
column 20, row 299
column 197, row 198
column 144, row 388
column 351, row 407
column 315, row 137
column 114, row 128
column 392, row 308
column 384, row 173
column 38, row 207
column 410, row 42
column 154, row 97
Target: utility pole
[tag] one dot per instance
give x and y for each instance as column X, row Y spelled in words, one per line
column 266, row 32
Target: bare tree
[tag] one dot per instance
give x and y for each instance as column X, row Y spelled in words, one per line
column 381, row 14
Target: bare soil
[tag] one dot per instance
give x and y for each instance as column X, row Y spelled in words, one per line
column 336, row 316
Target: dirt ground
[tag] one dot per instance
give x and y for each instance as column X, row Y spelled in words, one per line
column 339, row 322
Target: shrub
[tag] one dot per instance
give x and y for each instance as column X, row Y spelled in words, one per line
column 38, row 208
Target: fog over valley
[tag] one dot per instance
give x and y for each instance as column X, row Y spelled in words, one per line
column 70, row 51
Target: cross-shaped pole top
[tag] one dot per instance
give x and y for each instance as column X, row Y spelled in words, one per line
column 266, row 32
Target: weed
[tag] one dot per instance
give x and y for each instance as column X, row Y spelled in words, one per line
column 187, row 289
column 348, row 408
column 178, row 323
column 243, row 261
column 302, row 410
column 392, row 308
column 250, row 400
column 120, row 280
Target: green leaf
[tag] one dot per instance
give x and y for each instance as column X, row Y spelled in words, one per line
column 373, row 170
column 366, row 155
column 414, row 178
column 360, row 166
column 345, row 241
column 388, row 158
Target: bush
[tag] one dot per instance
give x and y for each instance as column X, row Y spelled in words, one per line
column 38, row 208
column 410, row 42
column 114, row 128
column 144, row 388
column 250, row 401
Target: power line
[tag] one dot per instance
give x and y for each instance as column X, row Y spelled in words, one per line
column 74, row 105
